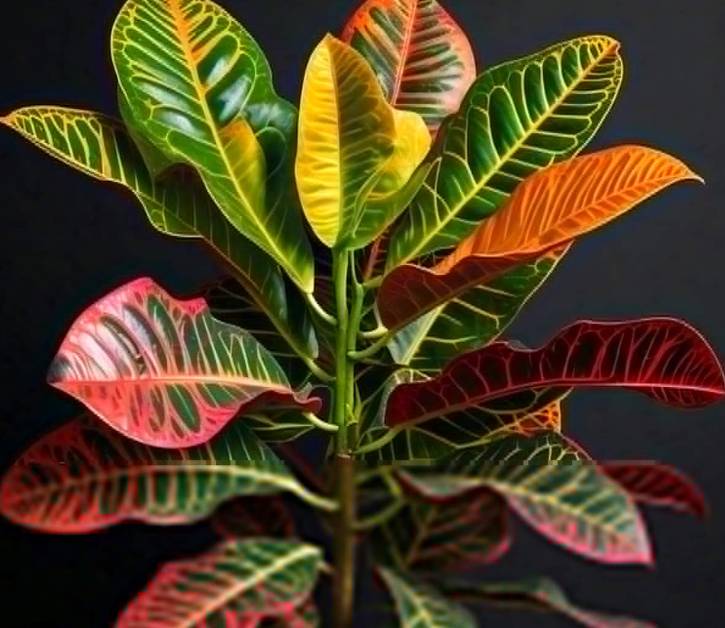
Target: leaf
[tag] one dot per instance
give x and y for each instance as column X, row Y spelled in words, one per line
column 662, row 358
column 473, row 319
column 352, row 146
column 176, row 204
column 555, row 488
column 420, row 55
column 447, row 535
column 165, row 372
column 236, row 583
column 191, row 75
column 658, row 484
column 305, row 616
column 254, row 516
column 537, row 594
column 517, row 118
column 84, row 476
column 548, row 210
column 421, row 606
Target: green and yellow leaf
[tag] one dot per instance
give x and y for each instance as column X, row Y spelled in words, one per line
column 192, row 77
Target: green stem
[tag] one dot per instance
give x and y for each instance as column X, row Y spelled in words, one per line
column 319, row 423
column 374, row 348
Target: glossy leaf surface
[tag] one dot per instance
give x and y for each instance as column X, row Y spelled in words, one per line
column 237, row 583
column 538, row 594
column 448, row 535
column 84, row 476
column 548, row 210
column 658, row 484
column 555, row 488
column 165, row 372
column 517, row 118
column 176, row 204
column 420, row 606
column 421, row 57
column 195, row 80
column 351, row 144
column 663, row 358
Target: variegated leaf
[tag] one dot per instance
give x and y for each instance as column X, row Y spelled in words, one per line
column 517, row 118
column 84, row 476
column 421, row 57
column 235, row 584
column 195, row 80
column 165, row 372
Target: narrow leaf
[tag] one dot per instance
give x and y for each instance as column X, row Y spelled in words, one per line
column 237, row 583
column 420, row 55
column 165, row 372
column 517, row 118
column 548, row 210
column 421, row 606
column 192, row 77
column 555, row 488
column 663, row 358
column 84, row 476
column 658, row 484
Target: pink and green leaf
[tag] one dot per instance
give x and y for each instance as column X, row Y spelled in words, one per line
column 165, row 372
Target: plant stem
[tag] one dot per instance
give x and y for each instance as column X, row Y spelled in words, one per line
column 344, row 543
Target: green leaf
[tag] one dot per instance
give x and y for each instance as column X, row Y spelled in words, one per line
column 555, row 488
column 421, row 606
column 236, row 583
column 420, row 55
column 517, row 118
column 280, row 427
column 428, row 537
column 536, row 594
column 193, row 77
column 84, row 476
column 473, row 319
column 165, row 372
column 176, row 204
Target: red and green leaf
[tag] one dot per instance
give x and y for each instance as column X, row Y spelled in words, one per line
column 236, row 584
column 554, row 487
column 85, row 476
column 663, row 358
column 547, row 211
column 659, row 485
column 254, row 516
column 165, row 372
column 420, row 55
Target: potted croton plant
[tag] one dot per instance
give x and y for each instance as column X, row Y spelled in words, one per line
column 377, row 240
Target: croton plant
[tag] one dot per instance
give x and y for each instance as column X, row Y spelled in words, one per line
column 378, row 242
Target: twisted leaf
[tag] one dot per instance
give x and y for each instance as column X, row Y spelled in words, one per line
column 164, row 372
column 421, row 606
column 548, row 210
column 237, row 583
column 421, row 57
column 195, row 81
column 176, row 204
column 658, row 484
column 662, row 358
column 555, row 488
column 85, row 476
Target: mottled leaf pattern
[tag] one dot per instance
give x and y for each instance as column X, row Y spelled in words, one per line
column 658, row 484
column 237, row 583
column 84, row 476
column 555, row 488
column 193, row 76
column 176, row 204
column 421, row 57
column 517, row 118
column 165, row 372
column 548, row 210
column 663, row 358
column 420, row 606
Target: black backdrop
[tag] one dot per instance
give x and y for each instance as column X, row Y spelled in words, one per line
column 66, row 240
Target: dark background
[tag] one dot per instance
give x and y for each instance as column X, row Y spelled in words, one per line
column 65, row 240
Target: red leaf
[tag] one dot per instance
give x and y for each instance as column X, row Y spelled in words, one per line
column 663, row 358
column 658, row 484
